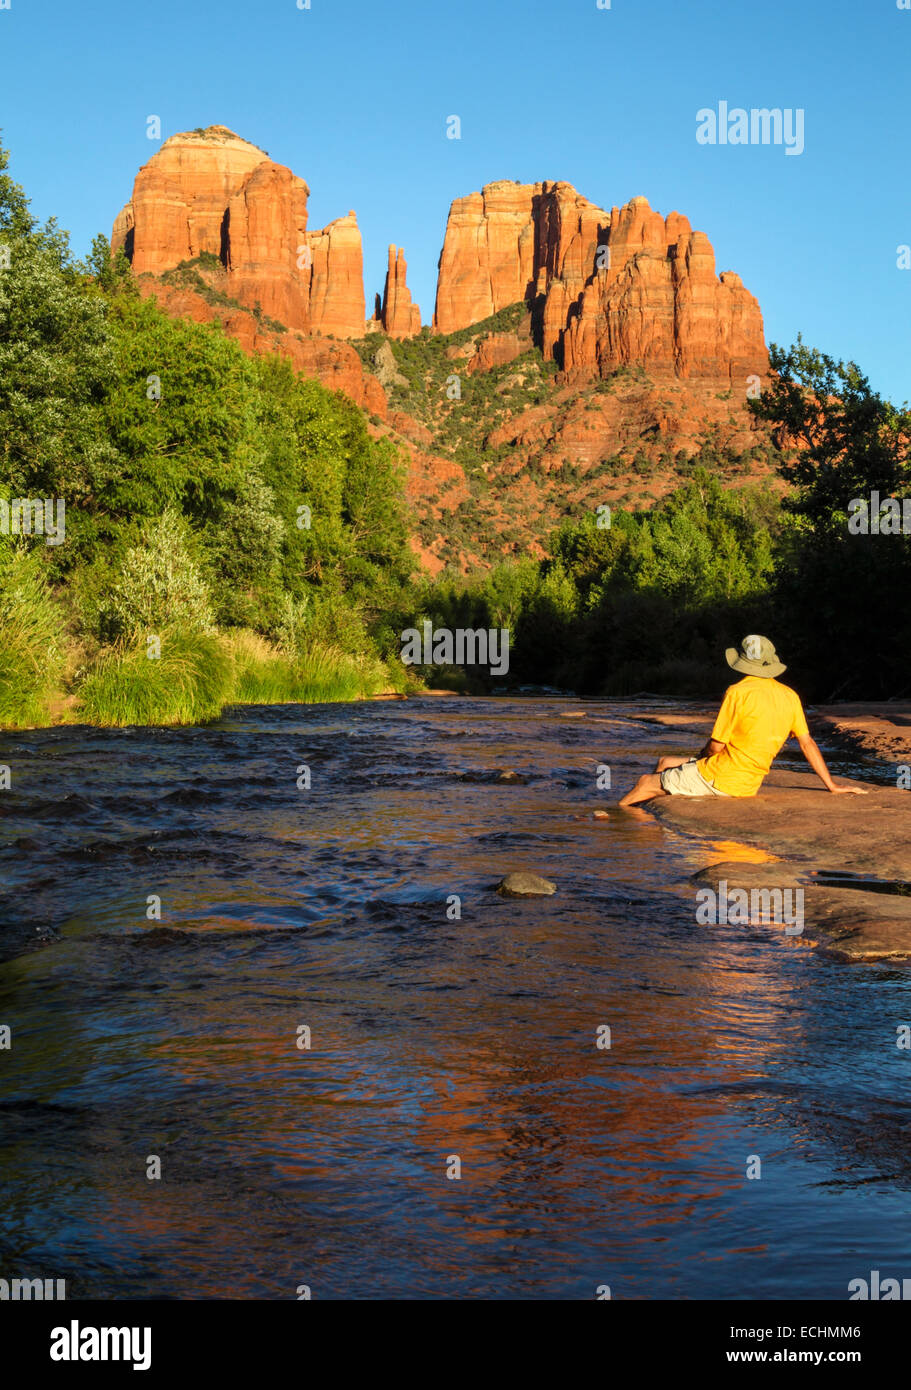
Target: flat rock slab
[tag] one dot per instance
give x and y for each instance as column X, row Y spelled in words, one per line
column 846, row 923
column 687, row 723
column 880, row 730
column 812, row 832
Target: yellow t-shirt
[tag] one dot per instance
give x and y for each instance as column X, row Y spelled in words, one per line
column 757, row 715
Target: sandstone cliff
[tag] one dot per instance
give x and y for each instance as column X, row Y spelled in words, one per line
column 608, row 289
column 605, row 289
column 210, row 192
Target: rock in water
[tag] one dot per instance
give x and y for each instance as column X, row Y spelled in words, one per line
column 525, row 886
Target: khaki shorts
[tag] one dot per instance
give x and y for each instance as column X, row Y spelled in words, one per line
column 687, row 780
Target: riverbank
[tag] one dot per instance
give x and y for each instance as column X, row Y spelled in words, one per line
column 187, row 678
column 851, row 857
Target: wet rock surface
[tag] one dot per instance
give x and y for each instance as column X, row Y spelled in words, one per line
column 863, row 841
column 525, row 886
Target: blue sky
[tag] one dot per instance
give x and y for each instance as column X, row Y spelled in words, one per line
column 354, row 96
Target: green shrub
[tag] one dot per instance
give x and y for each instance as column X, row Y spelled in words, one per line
column 159, row 584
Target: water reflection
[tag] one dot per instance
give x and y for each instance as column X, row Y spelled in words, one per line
column 430, row 1037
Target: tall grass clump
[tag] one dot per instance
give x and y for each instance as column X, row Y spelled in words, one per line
column 266, row 674
column 164, row 662
column 31, row 639
column 190, row 682
column 327, row 674
column 326, row 641
column 263, row 675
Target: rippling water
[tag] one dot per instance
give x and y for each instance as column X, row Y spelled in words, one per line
column 430, row 1037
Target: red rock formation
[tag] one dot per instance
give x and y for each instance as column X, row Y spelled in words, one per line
column 180, row 198
column 609, row 289
column 499, row 349
column 602, row 289
column 510, row 241
column 265, row 223
column 568, row 233
column 488, row 255
column 337, row 280
column 398, row 315
column 660, row 304
column 210, row 191
column 337, row 366
column 412, row 429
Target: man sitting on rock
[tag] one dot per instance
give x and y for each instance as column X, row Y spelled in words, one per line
column 757, row 715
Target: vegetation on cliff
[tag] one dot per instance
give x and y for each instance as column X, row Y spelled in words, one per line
column 637, row 605
column 530, row 449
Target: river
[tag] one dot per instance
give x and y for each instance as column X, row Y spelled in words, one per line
column 437, row 1042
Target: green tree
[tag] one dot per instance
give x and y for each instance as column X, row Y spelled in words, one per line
column 56, row 364
column 158, row 584
column 839, row 439
column 835, row 591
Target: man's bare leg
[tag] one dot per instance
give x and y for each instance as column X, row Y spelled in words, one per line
column 649, row 785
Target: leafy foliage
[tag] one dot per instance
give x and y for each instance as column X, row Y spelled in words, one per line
column 634, row 605
column 158, row 584
column 839, row 438
column 203, row 490
column 31, row 640
column 836, row 590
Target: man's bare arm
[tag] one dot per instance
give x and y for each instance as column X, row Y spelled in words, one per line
column 711, row 748
column 810, row 749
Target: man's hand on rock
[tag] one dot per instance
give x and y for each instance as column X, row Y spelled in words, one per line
column 841, row 791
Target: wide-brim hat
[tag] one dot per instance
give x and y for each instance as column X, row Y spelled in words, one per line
column 756, row 656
